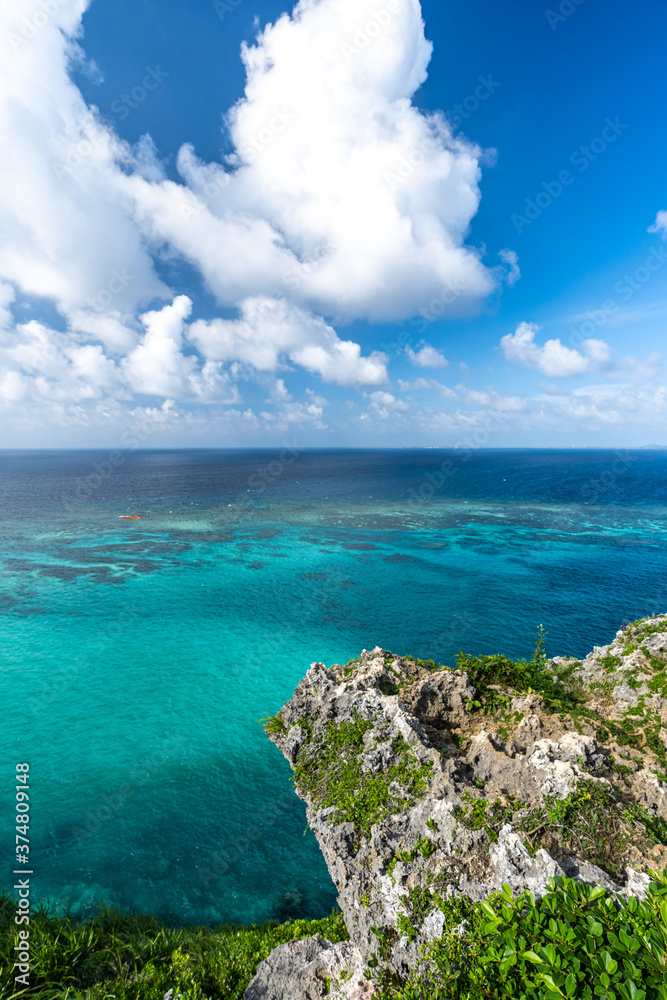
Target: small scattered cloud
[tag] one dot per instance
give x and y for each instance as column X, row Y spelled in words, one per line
column 385, row 405
column 660, row 224
column 511, row 258
column 428, row 385
column 493, row 400
column 554, row 359
column 426, row 356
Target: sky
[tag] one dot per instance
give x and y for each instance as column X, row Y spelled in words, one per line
column 355, row 223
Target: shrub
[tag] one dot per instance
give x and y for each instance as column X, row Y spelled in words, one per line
column 576, row 943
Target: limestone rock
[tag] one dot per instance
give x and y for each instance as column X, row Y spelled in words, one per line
column 440, row 700
column 311, row 969
column 419, row 787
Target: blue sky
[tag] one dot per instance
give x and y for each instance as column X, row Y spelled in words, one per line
column 345, row 237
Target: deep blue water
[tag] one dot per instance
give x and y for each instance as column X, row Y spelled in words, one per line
column 137, row 657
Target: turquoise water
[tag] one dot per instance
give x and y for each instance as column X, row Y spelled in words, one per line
column 137, row 657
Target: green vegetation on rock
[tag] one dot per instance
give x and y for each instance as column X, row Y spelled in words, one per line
column 558, row 687
column 639, row 631
column 589, row 823
column 274, row 725
column 328, row 769
column 576, row 943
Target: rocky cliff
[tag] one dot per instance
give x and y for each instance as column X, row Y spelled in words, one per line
column 424, row 782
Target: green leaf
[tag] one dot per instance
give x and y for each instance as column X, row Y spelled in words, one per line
column 571, row 985
column 491, row 927
column 546, row 978
column 625, row 939
column 610, row 964
column 530, row 956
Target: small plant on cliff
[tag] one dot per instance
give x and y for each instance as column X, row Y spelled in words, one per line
column 274, row 725
column 539, row 656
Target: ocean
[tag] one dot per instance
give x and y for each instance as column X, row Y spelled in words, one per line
column 137, row 657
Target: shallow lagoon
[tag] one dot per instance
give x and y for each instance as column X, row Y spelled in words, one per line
column 137, row 657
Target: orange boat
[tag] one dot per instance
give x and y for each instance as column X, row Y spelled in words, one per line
column 130, row 517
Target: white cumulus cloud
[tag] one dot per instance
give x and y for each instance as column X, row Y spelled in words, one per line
column 554, row 359
column 271, row 332
column 303, row 208
column 302, row 226
column 68, row 233
column 426, row 356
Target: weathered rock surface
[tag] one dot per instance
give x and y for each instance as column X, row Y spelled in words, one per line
column 310, row 969
column 424, row 782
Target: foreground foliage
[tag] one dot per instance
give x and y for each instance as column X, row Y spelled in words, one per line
column 577, row 942
column 120, row 957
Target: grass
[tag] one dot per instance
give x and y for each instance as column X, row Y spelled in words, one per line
column 558, row 687
column 116, row 956
column 274, row 725
column 329, row 769
column 588, row 823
